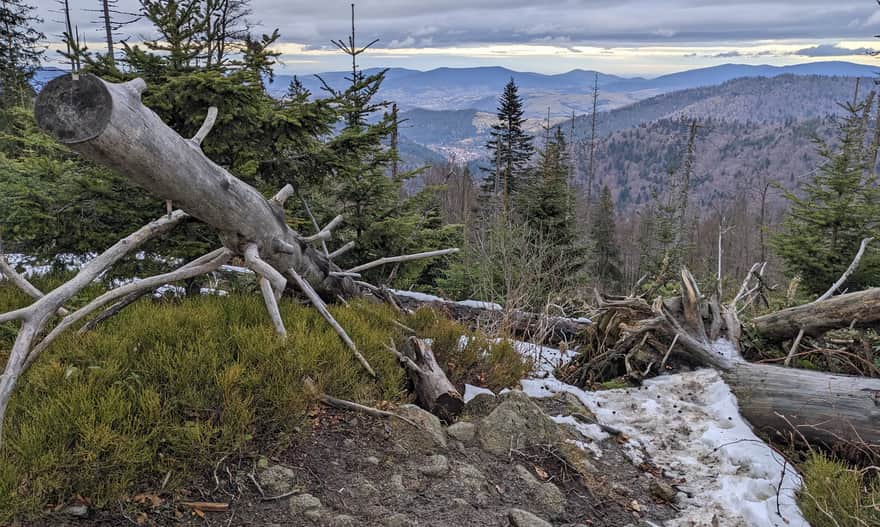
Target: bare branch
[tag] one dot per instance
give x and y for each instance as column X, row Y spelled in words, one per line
column 283, row 194
column 183, row 273
column 849, row 271
column 259, row 266
column 342, row 250
column 403, row 258
column 272, row 307
column 282, row 246
column 203, row 132
column 21, row 282
column 325, row 233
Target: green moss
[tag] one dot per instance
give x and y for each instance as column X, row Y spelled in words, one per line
column 836, row 495
column 615, row 384
column 172, row 387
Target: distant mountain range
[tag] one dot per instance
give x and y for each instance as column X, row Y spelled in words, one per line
column 757, row 122
column 479, row 88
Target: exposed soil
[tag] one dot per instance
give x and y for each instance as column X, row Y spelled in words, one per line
column 366, row 472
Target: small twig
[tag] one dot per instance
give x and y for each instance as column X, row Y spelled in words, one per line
column 668, row 351
column 794, row 347
column 281, row 496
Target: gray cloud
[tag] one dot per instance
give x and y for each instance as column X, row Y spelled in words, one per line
column 578, row 22
column 831, row 50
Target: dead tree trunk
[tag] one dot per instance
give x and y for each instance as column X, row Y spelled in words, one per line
column 819, row 407
column 861, row 308
column 108, row 124
column 433, row 389
column 547, row 329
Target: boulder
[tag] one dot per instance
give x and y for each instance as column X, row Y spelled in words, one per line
column 516, row 423
column 552, row 499
column 521, row 518
column 429, row 422
column 277, row 479
column 463, row 431
column 435, row 466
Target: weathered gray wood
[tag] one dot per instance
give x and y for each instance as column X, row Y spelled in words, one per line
column 824, row 408
column 108, row 124
column 434, row 392
column 861, row 308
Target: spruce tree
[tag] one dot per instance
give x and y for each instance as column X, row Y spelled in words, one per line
column 546, row 200
column 20, row 51
column 836, row 209
column 510, row 149
column 606, row 266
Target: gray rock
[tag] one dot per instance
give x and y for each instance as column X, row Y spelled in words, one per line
column 303, row 503
column 663, row 490
column 516, row 423
column 277, row 479
column 435, row 466
column 521, row 518
column 373, row 460
column 463, row 431
column 481, row 405
column 396, row 483
column 472, row 478
column 342, row 520
column 397, row 520
column 547, row 494
column 429, row 422
column 77, row 511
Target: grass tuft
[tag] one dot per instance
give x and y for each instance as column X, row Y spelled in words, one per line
column 172, row 386
column 836, row 495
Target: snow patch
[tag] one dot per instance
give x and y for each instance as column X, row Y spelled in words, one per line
column 689, row 425
column 471, row 391
column 544, row 358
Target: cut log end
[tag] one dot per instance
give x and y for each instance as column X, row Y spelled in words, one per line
column 73, row 111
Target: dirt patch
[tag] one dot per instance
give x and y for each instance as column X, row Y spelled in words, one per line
column 354, row 470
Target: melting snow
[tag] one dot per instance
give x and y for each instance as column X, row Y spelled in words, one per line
column 689, row 425
column 471, row 391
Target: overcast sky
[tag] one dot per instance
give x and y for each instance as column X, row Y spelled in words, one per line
column 627, row 37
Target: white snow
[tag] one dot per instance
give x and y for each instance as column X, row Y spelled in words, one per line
column 480, row 304
column 415, row 295
column 424, row 297
column 689, row 425
column 471, row 391
column 544, row 359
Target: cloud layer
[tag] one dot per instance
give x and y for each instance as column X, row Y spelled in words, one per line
column 406, row 28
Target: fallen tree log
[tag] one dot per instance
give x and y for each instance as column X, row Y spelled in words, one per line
column 547, row 329
column 108, row 124
column 861, row 309
column 821, row 408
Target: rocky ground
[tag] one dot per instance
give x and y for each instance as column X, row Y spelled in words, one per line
column 505, row 463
